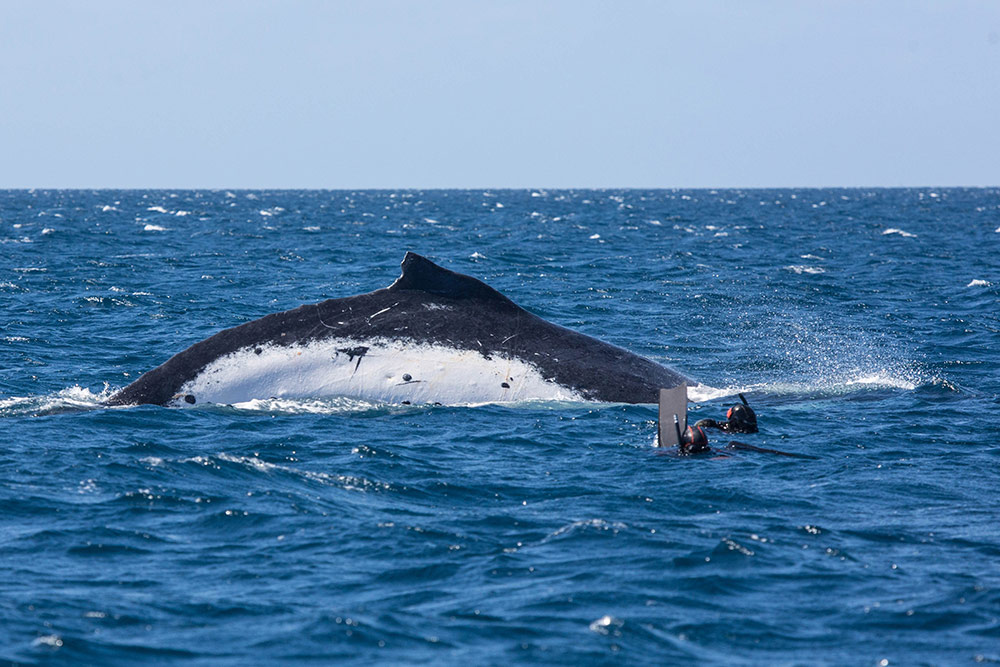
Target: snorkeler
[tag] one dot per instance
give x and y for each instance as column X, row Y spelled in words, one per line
column 692, row 441
column 739, row 419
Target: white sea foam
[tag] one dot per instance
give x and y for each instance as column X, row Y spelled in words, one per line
column 607, row 625
column 153, row 228
column 71, row 399
column 847, row 381
column 801, row 268
column 838, row 385
column 593, row 525
column 157, row 209
column 347, row 482
column 52, row 641
column 904, row 234
column 47, row 231
column 703, row 393
column 881, row 380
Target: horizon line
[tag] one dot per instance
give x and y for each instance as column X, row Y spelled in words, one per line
column 497, row 188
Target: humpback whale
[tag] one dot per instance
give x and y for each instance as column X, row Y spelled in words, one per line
column 431, row 336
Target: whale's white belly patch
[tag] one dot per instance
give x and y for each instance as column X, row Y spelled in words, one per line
column 373, row 370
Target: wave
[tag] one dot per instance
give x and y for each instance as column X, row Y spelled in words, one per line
column 70, row 399
column 820, row 387
column 834, row 386
column 704, row 393
column 80, row 399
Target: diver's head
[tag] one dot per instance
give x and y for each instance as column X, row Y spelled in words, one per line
column 694, row 441
column 742, row 419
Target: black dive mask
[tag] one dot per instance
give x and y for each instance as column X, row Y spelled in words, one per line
column 694, row 441
column 742, row 418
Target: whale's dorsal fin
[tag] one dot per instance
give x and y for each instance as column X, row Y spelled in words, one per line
column 421, row 274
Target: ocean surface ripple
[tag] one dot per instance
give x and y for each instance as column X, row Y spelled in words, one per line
column 863, row 325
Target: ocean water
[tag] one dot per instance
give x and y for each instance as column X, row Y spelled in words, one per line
column 863, row 326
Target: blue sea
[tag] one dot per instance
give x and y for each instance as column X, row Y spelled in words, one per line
column 863, row 325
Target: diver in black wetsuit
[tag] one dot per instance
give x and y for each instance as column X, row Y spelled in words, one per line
column 739, row 419
column 692, row 441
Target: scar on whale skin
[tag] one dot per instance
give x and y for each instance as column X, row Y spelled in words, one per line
column 351, row 352
column 408, row 379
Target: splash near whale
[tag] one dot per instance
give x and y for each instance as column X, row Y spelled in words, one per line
column 432, row 336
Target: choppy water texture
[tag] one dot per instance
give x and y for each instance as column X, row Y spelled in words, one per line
column 863, row 325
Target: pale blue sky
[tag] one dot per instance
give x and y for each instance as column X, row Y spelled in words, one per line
column 460, row 93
